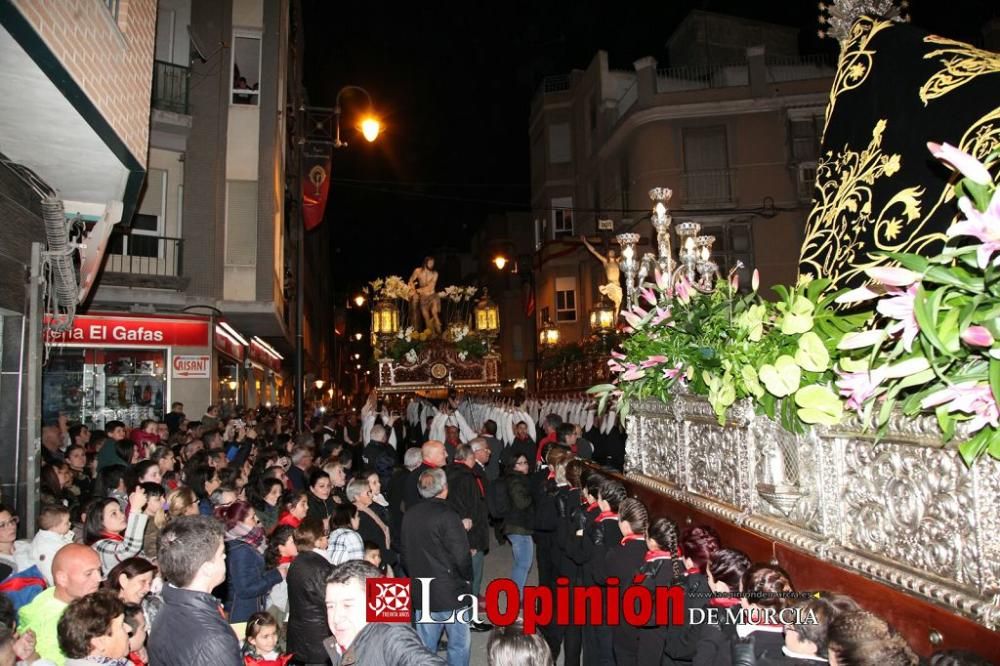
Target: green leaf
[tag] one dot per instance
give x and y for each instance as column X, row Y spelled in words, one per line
column 914, row 262
column 995, row 379
column 948, row 332
column 994, row 448
column 601, row 388
column 812, row 354
column 922, row 306
column 782, row 378
column 975, row 446
column 818, row 404
column 946, row 422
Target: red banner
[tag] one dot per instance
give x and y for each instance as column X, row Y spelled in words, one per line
column 315, row 186
column 118, row 331
column 262, row 357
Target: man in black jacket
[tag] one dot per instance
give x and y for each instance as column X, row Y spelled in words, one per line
column 434, row 456
column 436, row 546
column 467, row 495
column 355, row 640
column 190, row 629
column 379, row 454
column 307, row 623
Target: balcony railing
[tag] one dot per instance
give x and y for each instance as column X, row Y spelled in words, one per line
column 798, row 68
column 139, row 254
column 699, row 77
column 170, row 87
column 708, row 187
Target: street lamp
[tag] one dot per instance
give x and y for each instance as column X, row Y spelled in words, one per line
column 359, row 300
column 359, row 336
column 500, row 261
column 370, row 126
column 318, row 384
column 549, row 336
column 602, row 318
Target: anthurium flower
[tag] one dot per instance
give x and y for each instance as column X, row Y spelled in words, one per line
column 969, row 397
column 818, row 404
column 750, row 380
column 798, row 317
column 861, row 339
column 961, row 161
column 753, row 321
column 812, row 354
column 900, row 307
column 782, row 378
column 893, row 276
column 977, row 336
column 984, row 225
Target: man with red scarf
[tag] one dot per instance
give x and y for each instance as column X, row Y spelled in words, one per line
column 434, row 456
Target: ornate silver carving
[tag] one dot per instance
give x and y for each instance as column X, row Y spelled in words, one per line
column 904, row 511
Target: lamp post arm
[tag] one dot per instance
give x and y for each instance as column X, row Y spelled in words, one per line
column 337, row 143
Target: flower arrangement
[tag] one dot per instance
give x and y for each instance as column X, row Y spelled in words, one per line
column 392, row 286
column 932, row 342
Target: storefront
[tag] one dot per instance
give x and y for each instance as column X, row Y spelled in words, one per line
column 265, row 382
column 110, row 366
column 230, row 375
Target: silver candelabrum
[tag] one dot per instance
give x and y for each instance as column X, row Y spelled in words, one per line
column 693, row 264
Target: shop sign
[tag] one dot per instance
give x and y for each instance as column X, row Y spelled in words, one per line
column 227, row 345
column 192, row 367
column 261, row 356
column 97, row 329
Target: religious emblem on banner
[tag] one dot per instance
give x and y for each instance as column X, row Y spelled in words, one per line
column 315, row 186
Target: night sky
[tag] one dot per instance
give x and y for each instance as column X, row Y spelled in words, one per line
column 453, row 83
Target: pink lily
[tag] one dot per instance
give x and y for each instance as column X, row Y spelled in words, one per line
column 984, row 225
column 734, row 282
column 858, row 295
column 615, row 366
column 633, row 373
column 661, row 279
column 674, row 372
column 648, row 295
column 755, row 280
column 662, row 314
column 961, row 161
column 655, row 360
column 893, row 276
column 682, row 290
column 900, row 307
column 970, row 398
column 859, row 387
column 618, row 355
column 634, row 320
column 977, row 336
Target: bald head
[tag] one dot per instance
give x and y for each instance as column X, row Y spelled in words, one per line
column 76, row 572
column 434, row 453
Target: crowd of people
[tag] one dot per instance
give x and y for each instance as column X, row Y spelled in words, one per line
column 234, row 540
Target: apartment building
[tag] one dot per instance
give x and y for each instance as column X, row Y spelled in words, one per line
column 732, row 126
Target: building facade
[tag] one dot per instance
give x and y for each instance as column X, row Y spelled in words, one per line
column 74, row 132
column 732, row 127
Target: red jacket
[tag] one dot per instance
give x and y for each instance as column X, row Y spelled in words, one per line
column 548, row 439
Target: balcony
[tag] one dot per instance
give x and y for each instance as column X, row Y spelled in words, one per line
column 139, row 260
column 701, row 77
column 170, row 87
column 708, row 188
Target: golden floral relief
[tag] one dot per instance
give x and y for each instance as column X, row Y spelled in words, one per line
column 855, row 61
column 964, row 64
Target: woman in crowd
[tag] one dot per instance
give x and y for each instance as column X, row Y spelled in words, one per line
column 294, row 507
column 76, row 458
column 131, row 580
column 370, row 526
column 380, row 505
column 266, row 500
column 92, row 631
column 697, row 544
column 147, row 471
column 864, row 639
column 182, row 502
column 247, row 579
column 56, row 485
column 518, row 523
column 337, row 470
column 110, row 534
column 281, row 551
column 155, row 505
column 345, row 542
column 164, row 459
column 725, row 573
column 111, row 483
column 321, row 505
column 661, row 567
column 204, row 481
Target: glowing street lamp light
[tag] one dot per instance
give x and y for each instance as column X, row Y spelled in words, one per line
column 359, row 300
column 359, row 336
column 500, row 261
column 549, row 335
column 318, row 384
column 370, row 128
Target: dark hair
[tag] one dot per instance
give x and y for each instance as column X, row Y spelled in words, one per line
column 553, row 420
column 634, row 513
column 153, row 489
column 342, row 515
column 697, row 543
column 728, row 565
column 371, row 545
column 130, row 568
column 490, row 426
column 93, row 527
column 279, row 537
column 132, row 611
column 85, row 619
column 140, row 469
column 563, row 431
column 261, row 490
column 825, row 608
column 309, row 531
column 664, row 532
column 49, row 479
column 957, row 658
column 257, row 621
column 185, row 544
column 574, row 470
column 198, row 477
column 113, row 425
column 8, row 614
column 612, row 492
column 593, row 482
column 125, row 448
column 353, row 571
column 510, row 645
column 767, row 585
column 74, row 432
column 865, row 639
column 109, row 478
column 291, row 498
column 316, row 476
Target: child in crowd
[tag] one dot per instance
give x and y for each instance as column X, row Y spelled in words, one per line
column 155, row 509
column 373, row 555
column 260, row 645
column 806, row 642
column 766, row 590
column 135, row 626
column 54, row 533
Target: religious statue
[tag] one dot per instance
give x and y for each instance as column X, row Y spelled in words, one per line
column 612, row 289
column 425, row 304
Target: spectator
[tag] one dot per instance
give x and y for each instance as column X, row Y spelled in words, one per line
column 204, row 480
column 76, row 458
column 190, row 629
column 510, row 646
column 131, row 580
column 294, row 507
column 175, row 417
column 302, row 462
column 164, row 459
column 345, row 542
column 518, row 522
column 210, row 421
column 522, row 445
column 319, row 501
column 247, row 580
column 434, row 456
column 370, row 525
column 8, row 537
column 92, row 630
column 281, row 551
column 864, row 639
column 107, row 531
column 138, row 632
column 307, row 626
column 155, row 503
column 55, row 533
column 337, row 469
column 379, row 454
column 182, row 502
column 266, row 500
column 76, row 572
column 495, row 447
column 261, row 641
column 437, row 546
column 355, row 640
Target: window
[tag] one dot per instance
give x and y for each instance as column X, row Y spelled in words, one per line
column 806, row 180
column 733, row 242
column 562, row 217
column 246, row 68
column 805, row 138
column 565, row 299
column 142, row 239
column 706, row 165
column 559, row 143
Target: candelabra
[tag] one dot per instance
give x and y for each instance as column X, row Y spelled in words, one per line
column 628, row 264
